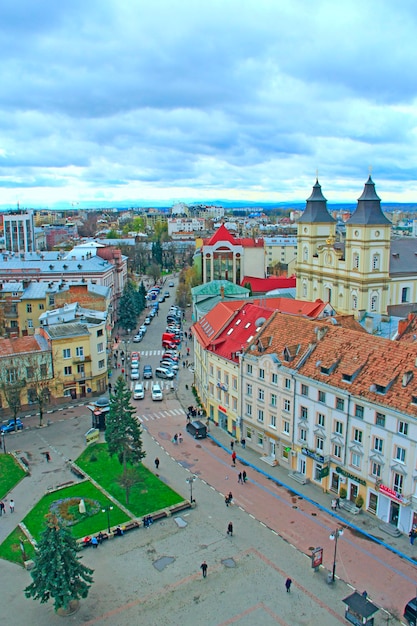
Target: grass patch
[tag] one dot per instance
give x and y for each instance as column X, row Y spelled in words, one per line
column 147, row 495
column 11, row 550
column 11, row 474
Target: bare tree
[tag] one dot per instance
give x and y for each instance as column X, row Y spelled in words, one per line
column 12, row 391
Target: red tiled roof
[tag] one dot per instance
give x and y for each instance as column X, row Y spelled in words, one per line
column 294, row 307
column 262, row 285
column 20, row 345
column 223, row 234
column 211, row 324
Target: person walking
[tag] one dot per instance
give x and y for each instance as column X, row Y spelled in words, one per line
column 203, row 568
column 47, row 457
column 2, row 508
column 288, row 583
column 234, row 458
column 176, row 438
column 334, row 504
column 230, row 529
column 11, row 505
column 156, row 463
column 239, row 478
column 179, row 437
column 337, row 503
column 412, row 535
column 232, row 443
column 244, row 476
column 243, row 443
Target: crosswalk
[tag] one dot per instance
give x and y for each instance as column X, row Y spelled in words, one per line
column 160, row 415
column 146, row 353
column 167, row 385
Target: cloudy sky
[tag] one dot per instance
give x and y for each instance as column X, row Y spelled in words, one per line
column 113, row 100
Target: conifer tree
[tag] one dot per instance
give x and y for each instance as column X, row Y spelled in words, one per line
column 123, row 431
column 58, row 573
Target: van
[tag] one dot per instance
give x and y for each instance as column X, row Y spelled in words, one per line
column 410, row 612
column 164, row 372
column 197, row 429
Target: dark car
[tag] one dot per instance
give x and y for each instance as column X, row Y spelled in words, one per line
column 147, row 371
column 10, row 426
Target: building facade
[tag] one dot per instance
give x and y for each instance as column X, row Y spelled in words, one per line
column 19, row 231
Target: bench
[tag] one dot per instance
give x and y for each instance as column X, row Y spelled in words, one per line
column 77, row 472
column 159, row 515
column 130, row 526
column 177, row 508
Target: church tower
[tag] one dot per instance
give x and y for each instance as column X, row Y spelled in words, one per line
column 315, row 228
column 367, row 255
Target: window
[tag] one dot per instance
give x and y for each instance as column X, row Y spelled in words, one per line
column 303, row 434
column 374, row 303
column 226, row 399
column 275, row 379
column 44, row 370
column 79, row 351
column 262, row 374
column 28, row 308
column 375, row 262
column 359, row 411
column 337, row 450
column 234, row 403
column 398, row 483
column 261, row 395
column 101, row 364
column 319, row 444
column 14, row 324
column 249, row 410
column 249, row 369
column 226, row 379
column 287, row 405
column 100, row 347
column 288, row 383
column 354, row 302
column 304, row 390
column 261, row 440
column 317, row 471
column 376, row 470
column 12, row 375
column 400, row 454
column 273, row 421
column 248, row 390
column 260, row 415
column 378, row 444
column 80, row 369
column 379, row 419
column 30, row 323
column 219, row 375
column 66, row 353
column 211, row 370
column 340, row 404
column 322, row 397
column 403, row 428
column 405, row 294
column 356, row 459
column 321, row 419
column 304, row 412
column 51, row 300
column 285, row 427
column 234, row 383
column 355, row 261
column 219, row 395
column 273, row 399
column 339, row 428
column 357, row 435
column 30, row 372
column 100, row 332
column 41, row 307
column 67, row 370
column 249, row 433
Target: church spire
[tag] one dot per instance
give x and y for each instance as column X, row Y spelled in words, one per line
column 368, row 210
column 316, row 208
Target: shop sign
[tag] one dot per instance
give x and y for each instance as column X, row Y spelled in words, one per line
column 222, row 409
column 324, row 472
column 339, row 470
column 92, row 435
column 393, row 494
column 317, row 557
column 222, row 386
column 317, row 457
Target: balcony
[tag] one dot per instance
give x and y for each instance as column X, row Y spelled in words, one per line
column 81, row 359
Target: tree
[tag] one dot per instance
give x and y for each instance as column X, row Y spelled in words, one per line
column 123, row 432
column 157, row 253
column 39, row 374
column 248, row 285
column 154, row 271
column 12, row 392
column 58, row 573
column 127, row 309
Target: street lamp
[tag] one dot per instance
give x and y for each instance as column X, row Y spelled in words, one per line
column 334, row 537
column 3, row 438
column 107, row 510
column 190, row 481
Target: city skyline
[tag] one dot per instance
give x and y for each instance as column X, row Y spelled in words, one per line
column 106, row 102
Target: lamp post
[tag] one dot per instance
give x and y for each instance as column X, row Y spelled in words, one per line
column 3, row 439
column 190, row 481
column 107, row 510
column 334, row 537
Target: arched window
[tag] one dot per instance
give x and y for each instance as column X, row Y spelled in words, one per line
column 304, row 290
column 355, row 261
column 374, row 302
column 375, row 261
column 305, row 253
column 354, row 302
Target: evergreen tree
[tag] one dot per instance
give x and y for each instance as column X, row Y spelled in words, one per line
column 157, row 253
column 140, row 298
column 127, row 310
column 58, row 573
column 123, row 431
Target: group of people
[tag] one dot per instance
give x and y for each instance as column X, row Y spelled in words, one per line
column 335, row 504
column 147, row 521
column 177, row 438
column 3, row 507
column 242, row 477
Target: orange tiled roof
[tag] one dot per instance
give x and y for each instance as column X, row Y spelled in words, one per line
column 208, row 327
column 20, row 345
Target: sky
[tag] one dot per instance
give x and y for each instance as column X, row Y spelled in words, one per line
column 183, row 100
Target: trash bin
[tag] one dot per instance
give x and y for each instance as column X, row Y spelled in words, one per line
column 329, row 578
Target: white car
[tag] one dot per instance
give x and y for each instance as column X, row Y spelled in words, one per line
column 134, row 374
column 138, row 392
column 156, row 392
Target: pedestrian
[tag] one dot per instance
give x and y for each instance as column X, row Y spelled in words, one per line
column 288, row 583
column 203, row 568
column 179, row 437
column 94, row 542
column 11, row 505
column 2, row 508
column 176, row 438
column 239, row 478
column 183, row 363
column 230, row 529
column 234, row 458
column 244, row 476
column 156, row 463
column 365, row 594
column 232, row 443
column 412, row 535
column 333, row 504
column 243, row 443
column 230, row 497
column 226, row 500
column 337, row 503
column 188, row 351
column 47, row 457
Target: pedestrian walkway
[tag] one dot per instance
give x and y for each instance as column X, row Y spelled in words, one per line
column 161, row 415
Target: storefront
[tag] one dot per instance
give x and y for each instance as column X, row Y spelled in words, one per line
column 350, row 482
column 394, row 508
column 222, row 417
column 317, row 461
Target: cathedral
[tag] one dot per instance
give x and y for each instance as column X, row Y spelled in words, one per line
column 365, row 270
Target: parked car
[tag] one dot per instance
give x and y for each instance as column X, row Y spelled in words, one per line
column 138, row 338
column 134, row 373
column 147, row 371
column 156, row 392
column 143, row 329
column 9, row 427
column 161, row 299
column 171, row 365
column 164, row 372
column 138, row 392
column 147, row 321
column 135, row 355
column 134, row 364
column 171, row 284
column 170, row 356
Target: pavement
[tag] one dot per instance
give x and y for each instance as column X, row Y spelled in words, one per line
column 272, row 514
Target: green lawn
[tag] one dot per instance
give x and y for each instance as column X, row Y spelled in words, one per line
column 10, row 474
column 148, row 495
